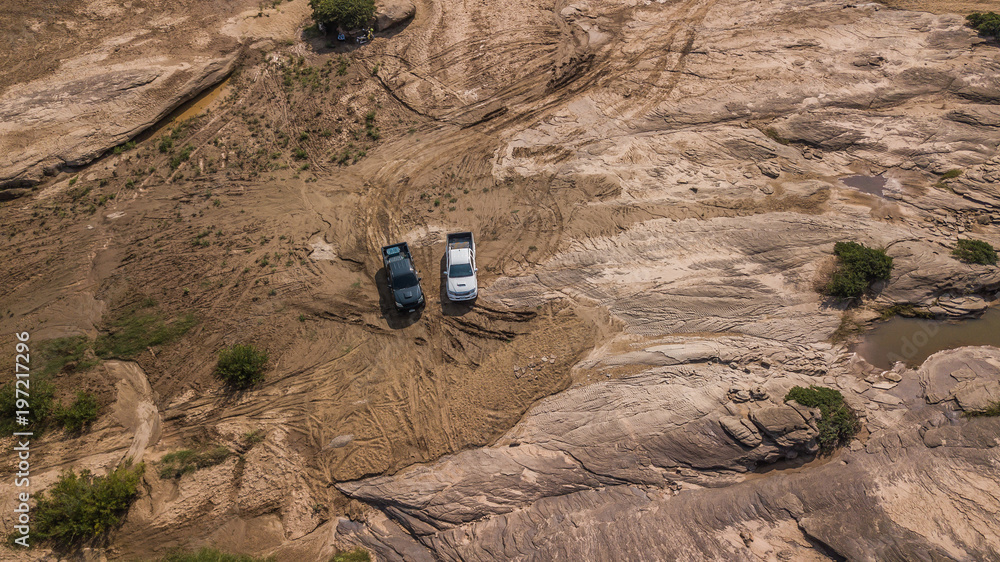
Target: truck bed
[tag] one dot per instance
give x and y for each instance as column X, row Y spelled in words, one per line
column 460, row 241
column 393, row 250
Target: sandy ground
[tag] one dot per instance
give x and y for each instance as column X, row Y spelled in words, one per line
column 270, row 231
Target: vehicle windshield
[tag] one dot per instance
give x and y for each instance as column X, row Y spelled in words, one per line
column 405, row 280
column 460, row 270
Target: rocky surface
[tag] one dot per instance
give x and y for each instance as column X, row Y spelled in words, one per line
column 103, row 74
column 67, row 120
column 392, row 14
column 601, row 470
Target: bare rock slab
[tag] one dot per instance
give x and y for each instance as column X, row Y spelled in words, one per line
column 391, row 14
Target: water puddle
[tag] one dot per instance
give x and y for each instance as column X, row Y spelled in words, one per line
column 912, row 340
column 872, row 185
column 191, row 108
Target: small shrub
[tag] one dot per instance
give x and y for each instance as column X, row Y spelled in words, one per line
column 858, row 267
column 124, row 147
column 357, row 555
column 242, row 365
column 975, row 251
column 80, row 507
column 837, row 424
column 182, row 157
column 80, row 414
column 300, row 154
column 184, row 461
column 253, row 437
column 951, row 174
column 987, row 23
column 166, row 144
column 42, row 401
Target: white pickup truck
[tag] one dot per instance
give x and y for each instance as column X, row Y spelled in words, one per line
column 460, row 267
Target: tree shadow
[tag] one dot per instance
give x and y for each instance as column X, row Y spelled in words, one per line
column 395, row 319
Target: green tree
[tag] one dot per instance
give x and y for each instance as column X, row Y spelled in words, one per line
column 84, row 506
column 242, row 365
column 859, row 267
column 975, row 251
column 837, row 424
column 987, row 23
column 348, row 14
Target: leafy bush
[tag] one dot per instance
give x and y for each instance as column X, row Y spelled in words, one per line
column 81, row 413
column 858, row 267
column 179, row 463
column 975, row 251
column 838, row 423
column 211, row 555
column 348, row 14
column 85, row 506
column 242, row 365
column 357, row 555
column 41, row 400
column 987, row 23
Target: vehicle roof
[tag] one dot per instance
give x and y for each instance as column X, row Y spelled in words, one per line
column 400, row 265
column 461, row 255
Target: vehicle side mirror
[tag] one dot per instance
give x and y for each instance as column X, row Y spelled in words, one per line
column 477, row 269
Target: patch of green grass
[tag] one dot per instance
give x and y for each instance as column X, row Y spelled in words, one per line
column 253, row 437
column 356, row 555
column 139, row 327
column 838, row 423
column 185, row 461
column 951, row 174
column 69, row 353
column 975, row 251
column 80, row 414
column 987, row 23
column 84, row 506
column 904, row 310
column 772, row 134
column 242, row 365
column 78, row 193
column 857, row 268
column 211, row 555
column 993, row 410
